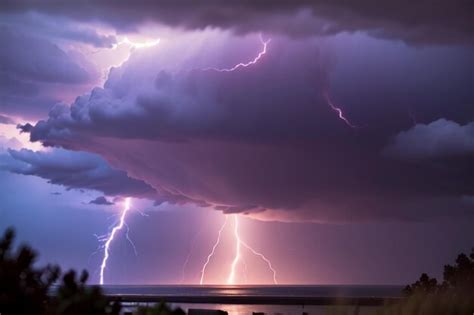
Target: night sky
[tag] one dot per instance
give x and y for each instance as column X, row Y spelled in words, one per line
column 341, row 135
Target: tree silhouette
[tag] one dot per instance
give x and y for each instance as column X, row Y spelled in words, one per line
column 455, row 295
column 160, row 309
column 75, row 298
column 25, row 289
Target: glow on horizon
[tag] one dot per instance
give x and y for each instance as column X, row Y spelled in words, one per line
column 111, row 237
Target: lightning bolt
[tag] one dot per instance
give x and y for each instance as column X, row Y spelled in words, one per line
column 136, row 45
column 203, row 270
column 267, row 261
column 238, row 243
column 338, row 110
column 335, row 108
column 111, row 237
column 246, row 64
column 188, row 256
column 237, row 257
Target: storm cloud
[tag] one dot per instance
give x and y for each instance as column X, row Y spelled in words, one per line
column 34, row 71
column 441, row 138
column 261, row 140
column 6, row 120
column 101, row 201
column 74, row 170
column 414, row 22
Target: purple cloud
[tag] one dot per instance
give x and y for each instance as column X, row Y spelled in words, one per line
column 438, row 139
column 74, row 170
column 36, row 74
column 101, row 201
column 260, row 140
column 6, row 120
column 416, row 22
column 27, row 57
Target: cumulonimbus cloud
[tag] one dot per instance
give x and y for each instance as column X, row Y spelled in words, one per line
column 260, row 140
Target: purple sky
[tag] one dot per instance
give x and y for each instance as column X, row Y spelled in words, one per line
column 103, row 101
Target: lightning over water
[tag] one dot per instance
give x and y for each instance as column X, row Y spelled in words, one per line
column 203, row 270
column 111, row 237
column 267, row 261
column 239, row 243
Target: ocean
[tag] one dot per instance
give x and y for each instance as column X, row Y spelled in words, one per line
column 271, row 300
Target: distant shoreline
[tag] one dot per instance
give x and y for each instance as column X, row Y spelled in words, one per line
column 363, row 295
column 254, row 300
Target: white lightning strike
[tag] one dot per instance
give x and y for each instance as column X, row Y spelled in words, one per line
column 246, row 64
column 238, row 257
column 238, row 242
column 203, row 270
column 110, row 238
column 269, row 264
column 338, row 110
column 136, row 45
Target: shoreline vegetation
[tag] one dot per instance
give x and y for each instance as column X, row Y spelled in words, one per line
column 25, row 289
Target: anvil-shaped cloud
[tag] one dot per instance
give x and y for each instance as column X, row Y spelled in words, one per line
column 260, row 140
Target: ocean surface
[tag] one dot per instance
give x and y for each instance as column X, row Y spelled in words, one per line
column 380, row 291
column 271, row 292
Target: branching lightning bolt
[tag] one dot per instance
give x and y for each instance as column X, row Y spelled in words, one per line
column 130, row 240
column 246, row 64
column 203, row 270
column 338, row 110
column 237, row 257
column 269, row 264
column 111, row 237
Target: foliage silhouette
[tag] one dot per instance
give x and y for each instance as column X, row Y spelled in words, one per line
column 455, row 295
column 25, row 289
column 75, row 298
column 159, row 309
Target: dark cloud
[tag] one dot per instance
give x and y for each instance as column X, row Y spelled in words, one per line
column 88, row 36
column 260, row 140
column 35, row 74
column 74, row 170
column 34, row 59
column 58, row 28
column 25, row 128
column 6, row 120
column 413, row 21
column 438, row 139
column 102, row 201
